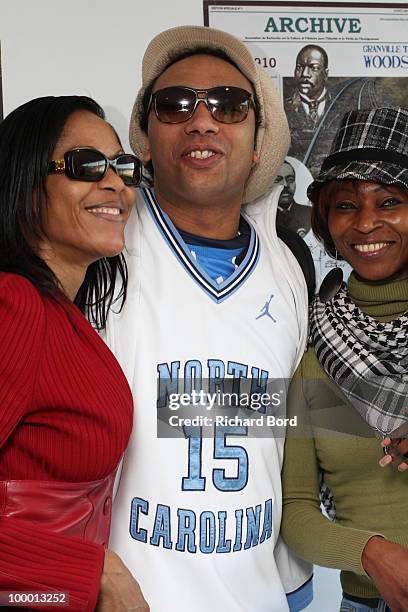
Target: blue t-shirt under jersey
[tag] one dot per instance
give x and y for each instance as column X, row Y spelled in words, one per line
column 219, row 258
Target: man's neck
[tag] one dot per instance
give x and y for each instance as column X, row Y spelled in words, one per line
column 285, row 209
column 216, row 220
column 313, row 101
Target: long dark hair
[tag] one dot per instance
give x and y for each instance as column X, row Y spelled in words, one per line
column 28, row 137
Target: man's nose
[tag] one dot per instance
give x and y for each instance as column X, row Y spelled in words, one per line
column 202, row 122
column 305, row 72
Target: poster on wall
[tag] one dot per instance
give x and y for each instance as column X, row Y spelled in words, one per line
column 325, row 59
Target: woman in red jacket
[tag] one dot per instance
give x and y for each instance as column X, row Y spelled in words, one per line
column 66, row 190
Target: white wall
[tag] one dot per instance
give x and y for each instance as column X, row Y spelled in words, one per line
column 94, row 47
column 89, row 47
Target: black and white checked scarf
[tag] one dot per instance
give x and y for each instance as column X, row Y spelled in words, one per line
column 367, row 359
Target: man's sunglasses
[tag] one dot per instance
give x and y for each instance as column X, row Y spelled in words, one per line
column 91, row 165
column 177, row 104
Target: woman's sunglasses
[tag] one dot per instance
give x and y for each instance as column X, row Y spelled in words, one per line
column 177, row 104
column 91, row 165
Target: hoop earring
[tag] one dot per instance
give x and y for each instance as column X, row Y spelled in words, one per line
column 331, row 283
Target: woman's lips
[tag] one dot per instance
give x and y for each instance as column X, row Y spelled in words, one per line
column 109, row 212
column 371, row 249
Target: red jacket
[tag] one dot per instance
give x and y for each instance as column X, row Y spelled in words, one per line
column 65, row 419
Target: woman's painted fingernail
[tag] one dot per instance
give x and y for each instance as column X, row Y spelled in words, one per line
column 385, row 460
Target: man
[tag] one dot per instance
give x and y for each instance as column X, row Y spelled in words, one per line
column 292, row 215
column 311, row 98
column 197, row 514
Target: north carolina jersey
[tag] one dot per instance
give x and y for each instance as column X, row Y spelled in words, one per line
column 196, row 517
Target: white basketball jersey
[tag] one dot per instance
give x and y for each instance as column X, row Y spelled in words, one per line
column 196, row 517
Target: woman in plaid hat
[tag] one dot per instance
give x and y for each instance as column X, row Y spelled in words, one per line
column 350, row 393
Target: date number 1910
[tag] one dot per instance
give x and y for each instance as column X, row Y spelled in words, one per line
column 266, row 62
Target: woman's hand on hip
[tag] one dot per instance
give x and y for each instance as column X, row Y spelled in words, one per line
column 119, row 591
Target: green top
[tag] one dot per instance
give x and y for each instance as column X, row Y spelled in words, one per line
column 330, row 433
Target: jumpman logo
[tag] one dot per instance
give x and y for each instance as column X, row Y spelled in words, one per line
column 265, row 310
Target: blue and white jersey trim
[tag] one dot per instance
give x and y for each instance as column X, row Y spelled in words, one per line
column 217, row 292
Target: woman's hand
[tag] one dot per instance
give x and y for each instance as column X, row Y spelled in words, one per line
column 387, row 565
column 397, row 448
column 119, row 591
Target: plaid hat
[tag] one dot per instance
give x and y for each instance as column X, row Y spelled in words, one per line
column 272, row 137
column 370, row 145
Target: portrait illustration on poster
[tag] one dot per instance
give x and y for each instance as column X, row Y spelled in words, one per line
column 324, row 60
column 292, row 213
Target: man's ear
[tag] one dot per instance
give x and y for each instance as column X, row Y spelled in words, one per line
column 255, row 158
column 146, row 154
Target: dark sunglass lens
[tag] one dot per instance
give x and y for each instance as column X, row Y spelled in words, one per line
column 88, row 165
column 174, row 104
column 228, row 104
column 129, row 169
